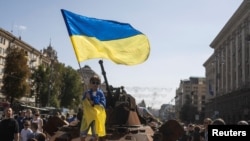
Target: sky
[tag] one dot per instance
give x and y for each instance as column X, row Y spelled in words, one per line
column 179, row 32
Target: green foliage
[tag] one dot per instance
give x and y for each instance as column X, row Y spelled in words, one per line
column 16, row 75
column 188, row 111
column 54, row 85
column 57, row 86
column 72, row 88
column 40, row 78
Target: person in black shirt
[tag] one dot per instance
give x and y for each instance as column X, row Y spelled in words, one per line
column 20, row 120
column 9, row 129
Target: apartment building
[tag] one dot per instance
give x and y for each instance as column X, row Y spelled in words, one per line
column 228, row 69
column 35, row 57
column 195, row 88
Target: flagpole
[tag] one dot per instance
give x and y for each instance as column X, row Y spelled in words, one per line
column 80, row 68
column 82, row 74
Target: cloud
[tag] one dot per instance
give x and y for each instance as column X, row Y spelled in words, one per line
column 20, row 27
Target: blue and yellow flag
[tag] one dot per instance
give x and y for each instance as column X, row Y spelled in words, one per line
column 92, row 113
column 96, row 38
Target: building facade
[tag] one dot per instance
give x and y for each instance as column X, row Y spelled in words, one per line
column 195, row 88
column 228, row 69
column 34, row 56
column 167, row 112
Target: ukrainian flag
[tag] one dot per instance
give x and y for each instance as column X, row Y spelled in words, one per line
column 95, row 38
column 92, row 113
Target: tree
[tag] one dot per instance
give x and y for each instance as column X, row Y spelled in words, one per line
column 57, row 86
column 40, row 78
column 16, row 75
column 47, row 82
column 55, row 83
column 72, row 88
column 188, row 110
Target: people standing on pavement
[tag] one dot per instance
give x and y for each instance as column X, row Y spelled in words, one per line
column 219, row 121
column 9, row 129
column 39, row 121
column 190, row 130
column 73, row 118
column 20, row 120
column 63, row 117
column 28, row 115
column 35, row 131
column 206, row 122
column 196, row 136
column 41, row 137
column 94, row 114
column 242, row 122
column 68, row 117
column 25, row 131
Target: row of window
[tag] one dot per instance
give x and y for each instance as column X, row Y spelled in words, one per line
column 2, row 40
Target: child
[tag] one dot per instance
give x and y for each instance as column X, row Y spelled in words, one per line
column 25, row 131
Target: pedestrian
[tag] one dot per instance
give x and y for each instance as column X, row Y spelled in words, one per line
column 28, row 115
column 9, row 129
column 25, row 131
column 35, row 131
column 73, row 118
column 190, row 131
column 94, row 115
column 68, row 117
column 206, row 122
column 184, row 137
column 196, row 136
column 41, row 137
column 38, row 120
column 20, row 120
column 242, row 122
column 219, row 121
column 63, row 117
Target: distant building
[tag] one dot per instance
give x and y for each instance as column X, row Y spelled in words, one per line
column 167, row 112
column 195, row 88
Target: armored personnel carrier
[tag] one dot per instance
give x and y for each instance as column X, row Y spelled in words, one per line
column 123, row 123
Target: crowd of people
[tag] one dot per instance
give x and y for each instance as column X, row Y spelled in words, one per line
column 28, row 125
column 23, row 126
column 199, row 132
